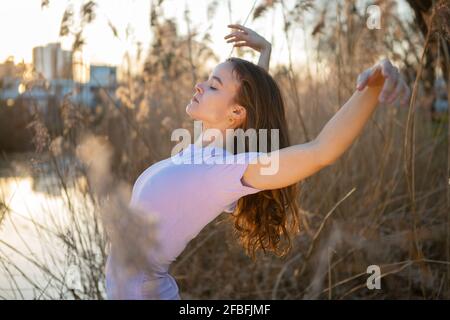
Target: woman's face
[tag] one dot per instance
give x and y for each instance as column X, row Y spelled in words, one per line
column 213, row 100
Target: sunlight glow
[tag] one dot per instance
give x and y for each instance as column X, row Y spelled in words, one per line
column 34, row 26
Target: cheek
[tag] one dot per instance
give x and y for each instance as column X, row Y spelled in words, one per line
column 217, row 109
column 212, row 108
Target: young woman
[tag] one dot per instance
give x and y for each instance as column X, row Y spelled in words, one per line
column 185, row 197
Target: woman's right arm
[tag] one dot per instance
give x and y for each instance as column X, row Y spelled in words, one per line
column 264, row 57
column 246, row 37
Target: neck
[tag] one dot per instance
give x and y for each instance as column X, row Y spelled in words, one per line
column 211, row 141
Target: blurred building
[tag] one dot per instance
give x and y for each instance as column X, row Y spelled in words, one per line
column 101, row 86
column 103, row 76
column 10, row 80
column 9, row 90
column 53, row 62
column 9, row 69
column 57, row 79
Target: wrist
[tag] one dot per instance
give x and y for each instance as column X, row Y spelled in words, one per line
column 371, row 93
column 265, row 47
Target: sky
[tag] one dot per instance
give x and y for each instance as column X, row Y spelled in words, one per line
column 27, row 26
column 32, row 26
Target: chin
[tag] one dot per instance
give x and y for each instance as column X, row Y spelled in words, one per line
column 189, row 109
column 191, row 113
column 193, row 117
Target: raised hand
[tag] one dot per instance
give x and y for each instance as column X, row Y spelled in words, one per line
column 385, row 74
column 244, row 36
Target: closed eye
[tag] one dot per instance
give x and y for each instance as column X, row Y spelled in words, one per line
column 211, row 80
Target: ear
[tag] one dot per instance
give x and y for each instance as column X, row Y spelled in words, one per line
column 238, row 113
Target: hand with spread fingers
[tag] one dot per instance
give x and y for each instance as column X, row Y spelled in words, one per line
column 244, row 36
column 385, row 74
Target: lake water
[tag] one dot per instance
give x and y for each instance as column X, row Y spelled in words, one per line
column 35, row 211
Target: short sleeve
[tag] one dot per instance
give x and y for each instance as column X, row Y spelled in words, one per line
column 230, row 208
column 225, row 177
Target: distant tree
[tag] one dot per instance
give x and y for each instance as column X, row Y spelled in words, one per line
column 439, row 42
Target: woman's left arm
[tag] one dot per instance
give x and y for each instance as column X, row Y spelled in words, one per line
column 381, row 83
column 292, row 164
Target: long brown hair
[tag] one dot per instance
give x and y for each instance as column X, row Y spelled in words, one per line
column 265, row 220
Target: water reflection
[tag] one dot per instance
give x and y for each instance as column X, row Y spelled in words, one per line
column 35, row 211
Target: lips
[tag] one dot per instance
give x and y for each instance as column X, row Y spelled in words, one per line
column 195, row 99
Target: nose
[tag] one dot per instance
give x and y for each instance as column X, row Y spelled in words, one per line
column 198, row 88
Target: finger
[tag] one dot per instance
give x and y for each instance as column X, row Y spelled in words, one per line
column 386, row 68
column 362, row 80
column 238, row 26
column 240, row 44
column 389, row 84
column 374, row 74
column 234, row 34
column 395, row 93
column 232, row 40
column 241, row 30
column 236, row 39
